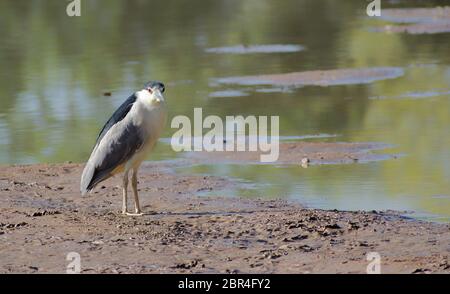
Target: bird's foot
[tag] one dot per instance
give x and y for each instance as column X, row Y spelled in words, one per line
column 134, row 214
column 137, row 212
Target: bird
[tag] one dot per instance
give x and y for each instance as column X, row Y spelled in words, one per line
column 125, row 141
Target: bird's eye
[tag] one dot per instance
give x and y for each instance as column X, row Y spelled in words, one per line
column 150, row 90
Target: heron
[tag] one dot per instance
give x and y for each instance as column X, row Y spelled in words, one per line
column 126, row 140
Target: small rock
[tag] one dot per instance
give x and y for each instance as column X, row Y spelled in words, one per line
column 253, row 265
column 363, row 243
column 353, row 226
column 443, row 264
column 274, row 255
column 306, row 248
column 336, row 241
column 299, row 237
column 305, row 162
column 187, row 265
column 333, row 226
column 44, row 212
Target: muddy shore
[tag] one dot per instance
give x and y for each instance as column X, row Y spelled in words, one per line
column 43, row 218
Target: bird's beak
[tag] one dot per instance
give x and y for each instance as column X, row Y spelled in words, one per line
column 158, row 95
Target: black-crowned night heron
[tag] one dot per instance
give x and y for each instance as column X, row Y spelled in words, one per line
column 125, row 141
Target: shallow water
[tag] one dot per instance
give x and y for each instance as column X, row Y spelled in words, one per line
column 55, row 70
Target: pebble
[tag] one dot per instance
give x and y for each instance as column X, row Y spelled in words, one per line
column 305, row 162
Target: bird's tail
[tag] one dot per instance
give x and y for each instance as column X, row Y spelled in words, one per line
column 86, row 178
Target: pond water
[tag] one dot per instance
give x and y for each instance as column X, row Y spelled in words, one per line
column 54, row 71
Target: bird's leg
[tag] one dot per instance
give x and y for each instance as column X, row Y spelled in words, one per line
column 125, row 188
column 137, row 207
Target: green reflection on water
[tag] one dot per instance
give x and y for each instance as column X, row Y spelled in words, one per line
column 54, row 70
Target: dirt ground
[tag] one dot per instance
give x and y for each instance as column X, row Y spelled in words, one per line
column 43, row 217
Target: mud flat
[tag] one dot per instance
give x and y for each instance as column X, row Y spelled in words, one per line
column 253, row 49
column 43, row 218
column 302, row 153
column 330, row 77
column 416, row 20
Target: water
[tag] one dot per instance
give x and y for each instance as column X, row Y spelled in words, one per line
column 55, row 69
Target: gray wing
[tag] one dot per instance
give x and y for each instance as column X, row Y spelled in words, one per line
column 113, row 148
column 125, row 144
column 116, row 117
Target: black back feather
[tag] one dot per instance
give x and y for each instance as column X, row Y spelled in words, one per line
column 117, row 116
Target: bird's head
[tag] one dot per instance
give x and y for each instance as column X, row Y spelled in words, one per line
column 156, row 90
